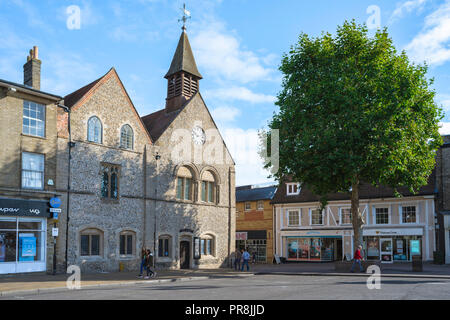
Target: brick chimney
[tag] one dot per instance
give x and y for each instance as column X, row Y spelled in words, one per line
column 32, row 70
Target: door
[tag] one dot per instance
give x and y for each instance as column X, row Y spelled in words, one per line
column 185, row 255
column 386, row 250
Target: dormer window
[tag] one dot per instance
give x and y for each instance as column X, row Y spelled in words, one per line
column 293, row 189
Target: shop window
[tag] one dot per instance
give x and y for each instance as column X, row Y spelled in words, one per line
column 164, row 246
column 293, row 189
column 95, row 131
column 381, row 215
column 126, row 137
column 32, row 171
column 260, row 205
column 127, row 243
column 110, row 181
column 33, row 119
column 346, row 216
column 316, row 217
column 22, row 240
column 293, row 218
column 91, row 242
column 248, row 206
column 408, row 214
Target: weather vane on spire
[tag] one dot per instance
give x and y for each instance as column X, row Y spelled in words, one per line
column 186, row 16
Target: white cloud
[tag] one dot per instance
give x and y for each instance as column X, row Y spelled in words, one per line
column 407, row 7
column 445, row 128
column 60, row 77
column 431, row 44
column 243, row 146
column 225, row 114
column 238, row 93
column 221, row 54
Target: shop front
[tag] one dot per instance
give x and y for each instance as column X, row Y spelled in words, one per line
column 255, row 241
column 23, row 227
column 392, row 245
column 313, row 246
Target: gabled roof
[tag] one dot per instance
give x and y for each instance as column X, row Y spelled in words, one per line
column 158, row 122
column 366, row 191
column 248, row 194
column 80, row 96
column 183, row 59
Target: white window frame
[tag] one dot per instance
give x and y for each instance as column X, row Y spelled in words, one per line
column 374, row 215
column 292, row 193
column 42, row 157
column 258, row 203
column 310, row 217
column 245, row 206
column 44, row 111
column 400, row 213
column 299, row 215
column 340, row 216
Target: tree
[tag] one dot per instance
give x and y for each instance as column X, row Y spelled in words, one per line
column 353, row 110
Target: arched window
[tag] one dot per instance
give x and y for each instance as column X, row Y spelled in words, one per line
column 209, row 187
column 184, row 184
column 95, row 133
column 91, row 242
column 126, row 137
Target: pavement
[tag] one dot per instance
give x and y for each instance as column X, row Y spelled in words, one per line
column 43, row 283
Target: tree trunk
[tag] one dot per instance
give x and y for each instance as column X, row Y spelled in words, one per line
column 357, row 220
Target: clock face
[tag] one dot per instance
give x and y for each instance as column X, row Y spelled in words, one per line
column 198, row 135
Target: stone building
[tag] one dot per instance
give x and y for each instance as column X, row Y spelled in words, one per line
column 28, row 170
column 443, row 199
column 192, row 217
column 106, row 198
column 164, row 181
column 254, row 221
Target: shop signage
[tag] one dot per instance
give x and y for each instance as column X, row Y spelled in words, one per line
column 187, row 230
column 393, row 232
column 27, row 247
column 55, row 202
column 24, row 208
column 415, row 247
column 241, row 235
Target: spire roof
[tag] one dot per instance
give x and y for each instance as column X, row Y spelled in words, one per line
column 183, row 59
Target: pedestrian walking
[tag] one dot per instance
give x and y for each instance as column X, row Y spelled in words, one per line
column 245, row 258
column 143, row 261
column 237, row 259
column 148, row 263
column 357, row 259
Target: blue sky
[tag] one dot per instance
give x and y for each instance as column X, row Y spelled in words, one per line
column 238, row 45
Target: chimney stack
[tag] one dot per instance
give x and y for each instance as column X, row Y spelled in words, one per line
column 32, row 70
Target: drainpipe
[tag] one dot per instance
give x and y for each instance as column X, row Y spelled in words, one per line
column 70, row 145
column 157, row 157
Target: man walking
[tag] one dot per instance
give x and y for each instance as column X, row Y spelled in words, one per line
column 246, row 258
column 357, row 259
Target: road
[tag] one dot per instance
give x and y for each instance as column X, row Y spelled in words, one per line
column 262, row 287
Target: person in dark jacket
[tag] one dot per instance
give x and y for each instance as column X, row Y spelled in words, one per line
column 148, row 263
column 357, row 260
column 143, row 261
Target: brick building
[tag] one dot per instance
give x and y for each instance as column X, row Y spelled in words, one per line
column 28, row 173
column 254, row 221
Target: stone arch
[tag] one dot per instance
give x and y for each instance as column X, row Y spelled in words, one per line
column 193, row 168
column 214, row 172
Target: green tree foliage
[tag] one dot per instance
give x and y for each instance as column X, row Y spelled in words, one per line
column 354, row 110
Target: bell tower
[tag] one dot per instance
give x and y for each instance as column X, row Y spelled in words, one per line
column 183, row 76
